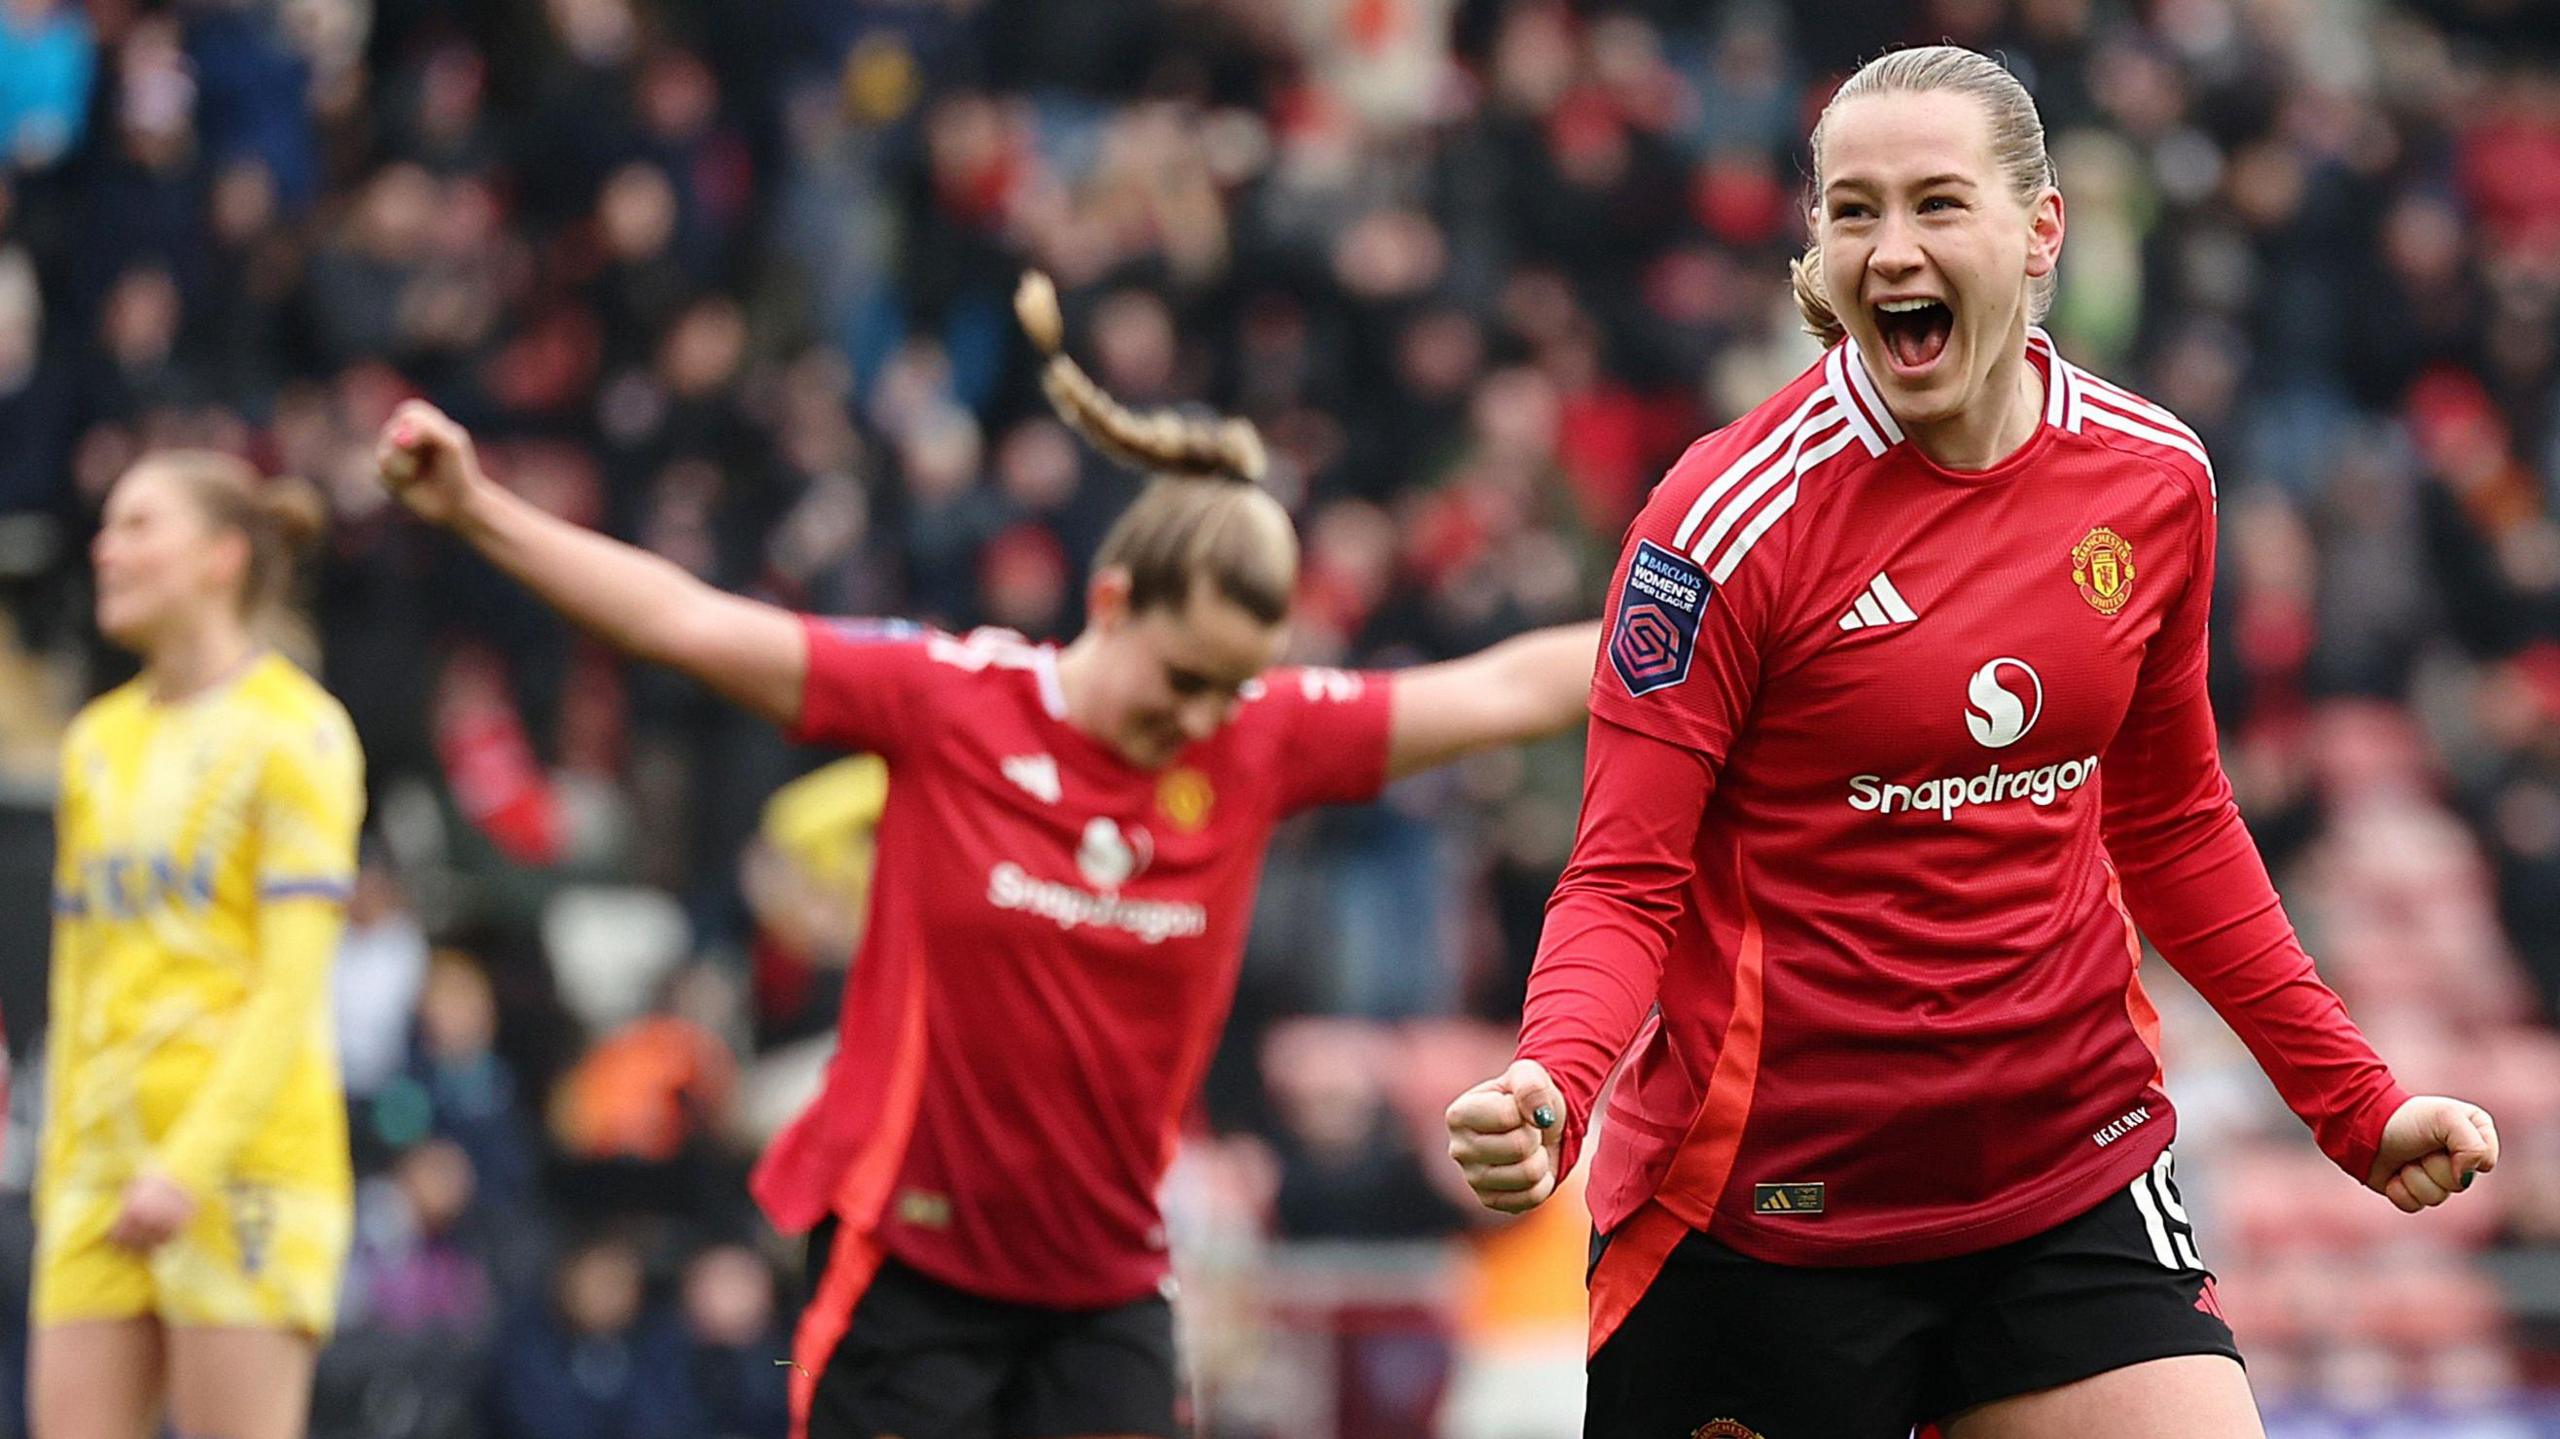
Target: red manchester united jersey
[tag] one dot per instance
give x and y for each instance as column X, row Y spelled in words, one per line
column 1889, row 761
column 1053, row 945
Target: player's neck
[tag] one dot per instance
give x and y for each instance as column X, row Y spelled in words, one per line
column 1994, row 427
column 1085, row 689
column 196, row 659
column 1076, row 687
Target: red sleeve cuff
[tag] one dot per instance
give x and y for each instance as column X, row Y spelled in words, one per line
column 2359, row 1140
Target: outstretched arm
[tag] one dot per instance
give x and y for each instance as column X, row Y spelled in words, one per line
column 1527, row 687
column 755, row 654
column 2193, row 882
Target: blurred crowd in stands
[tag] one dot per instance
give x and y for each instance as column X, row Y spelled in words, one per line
column 731, row 281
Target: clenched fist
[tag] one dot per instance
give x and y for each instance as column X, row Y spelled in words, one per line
column 1507, row 1134
column 156, row 1209
column 427, row 461
column 2431, row 1148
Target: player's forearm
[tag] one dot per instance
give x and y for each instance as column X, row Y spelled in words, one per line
column 1525, row 688
column 2201, row 894
column 1548, row 674
column 633, row 600
column 297, row 939
column 2196, row 887
column 1610, row 923
column 1599, row 968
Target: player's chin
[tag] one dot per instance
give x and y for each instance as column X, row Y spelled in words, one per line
column 1928, row 403
column 1149, row 750
column 126, row 621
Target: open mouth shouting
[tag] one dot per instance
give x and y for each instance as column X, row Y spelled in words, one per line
column 1915, row 331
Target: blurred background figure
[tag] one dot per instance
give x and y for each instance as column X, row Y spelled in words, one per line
column 593, row 1357
column 731, row 282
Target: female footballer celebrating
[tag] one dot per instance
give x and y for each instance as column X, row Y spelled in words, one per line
column 1902, row 734
column 194, row 1204
column 1066, row 868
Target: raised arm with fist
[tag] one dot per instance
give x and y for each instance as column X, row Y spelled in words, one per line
column 635, row 601
column 428, row 462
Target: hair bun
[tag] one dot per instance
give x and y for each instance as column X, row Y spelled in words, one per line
column 296, row 508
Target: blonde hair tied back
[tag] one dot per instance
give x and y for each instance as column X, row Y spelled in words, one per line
column 280, row 518
column 1203, row 517
column 1163, row 442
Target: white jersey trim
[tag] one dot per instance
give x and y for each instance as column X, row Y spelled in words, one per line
column 1770, row 514
column 2057, row 380
column 1862, row 388
column 1744, row 502
column 2083, row 399
column 988, row 646
column 1053, row 695
column 1750, row 460
column 1836, row 370
column 1767, row 479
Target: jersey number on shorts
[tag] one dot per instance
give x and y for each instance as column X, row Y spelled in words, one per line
column 2164, row 1218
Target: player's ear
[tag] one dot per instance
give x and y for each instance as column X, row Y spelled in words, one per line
column 226, row 559
column 2044, row 233
column 1106, row 599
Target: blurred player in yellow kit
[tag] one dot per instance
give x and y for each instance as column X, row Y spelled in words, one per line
column 194, row 1203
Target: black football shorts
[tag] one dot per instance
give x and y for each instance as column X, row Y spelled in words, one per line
column 922, row 1360
column 1732, row 1347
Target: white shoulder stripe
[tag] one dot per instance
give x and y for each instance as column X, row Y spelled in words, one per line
column 1777, row 508
column 2130, row 403
column 1779, row 469
column 2123, row 424
column 1733, row 474
column 2086, row 397
column 1844, row 408
column 2133, row 404
column 1053, row 695
column 2061, row 397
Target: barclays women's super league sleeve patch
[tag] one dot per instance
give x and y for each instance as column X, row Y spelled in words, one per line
column 1658, row 612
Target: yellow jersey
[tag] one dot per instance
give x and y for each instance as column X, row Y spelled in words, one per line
column 205, row 852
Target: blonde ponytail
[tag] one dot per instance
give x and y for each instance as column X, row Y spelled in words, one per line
column 1203, row 517
column 1164, row 442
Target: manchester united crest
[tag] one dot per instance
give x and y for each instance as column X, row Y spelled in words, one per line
column 1185, row 797
column 1725, row 1429
column 2102, row 566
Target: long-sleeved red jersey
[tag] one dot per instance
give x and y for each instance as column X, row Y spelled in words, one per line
column 1888, row 763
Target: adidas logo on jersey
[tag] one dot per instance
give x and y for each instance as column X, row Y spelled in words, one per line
column 1035, row 774
column 1881, row 605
